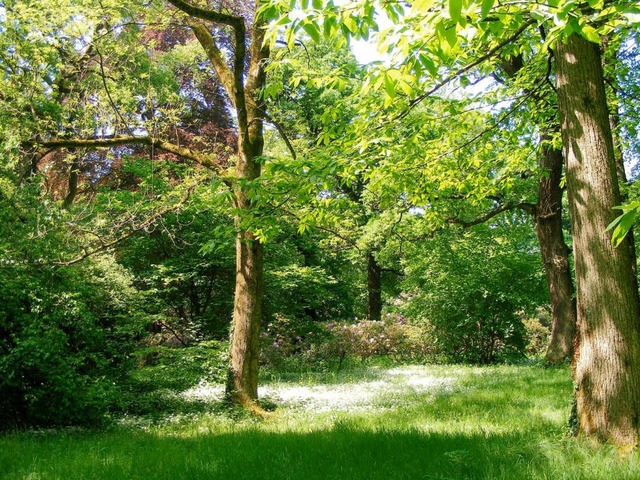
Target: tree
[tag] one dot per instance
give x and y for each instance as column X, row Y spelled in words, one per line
column 243, row 89
column 242, row 79
column 607, row 368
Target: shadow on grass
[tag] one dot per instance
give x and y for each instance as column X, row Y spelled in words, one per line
column 495, row 424
column 343, row 452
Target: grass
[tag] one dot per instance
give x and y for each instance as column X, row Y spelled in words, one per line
column 505, row 422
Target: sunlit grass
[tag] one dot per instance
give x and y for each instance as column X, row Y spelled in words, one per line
column 501, row 422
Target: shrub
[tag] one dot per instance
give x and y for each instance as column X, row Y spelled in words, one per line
column 66, row 337
column 538, row 333
column 397, row 339
column 317, row 342
column 283, row 338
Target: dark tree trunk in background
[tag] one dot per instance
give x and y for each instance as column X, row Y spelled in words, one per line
column 607, row 356
column 553, row 249
column 73, row 183
column 374, row 287
column 555, row 256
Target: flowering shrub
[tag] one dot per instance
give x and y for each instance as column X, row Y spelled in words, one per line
column 283, row 338
column 367, row 338
column 318, row 342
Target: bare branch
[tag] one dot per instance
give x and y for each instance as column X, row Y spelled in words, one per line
column 527, row 207
column 215, row 57
column 140, row 227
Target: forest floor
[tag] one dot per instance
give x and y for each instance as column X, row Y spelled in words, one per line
column 402, row 422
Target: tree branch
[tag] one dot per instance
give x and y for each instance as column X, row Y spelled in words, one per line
column 466, row 68
column 282, row 133
column 142, row 226
column 211, row 15
column 239, row 29
column 215, row 57
column 527, row 207
column 117, row 140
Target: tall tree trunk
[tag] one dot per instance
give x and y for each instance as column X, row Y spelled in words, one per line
column 242, row 378
column 243, row 86
column 555, row 256
column 374, row 287
column 607, row 356
column 244, row 352
column 553, row 249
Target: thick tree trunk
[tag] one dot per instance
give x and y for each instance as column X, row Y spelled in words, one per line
column 607, row 356
column 555, row 256
column 374, row 287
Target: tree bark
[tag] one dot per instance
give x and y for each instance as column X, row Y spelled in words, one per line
column 547, row 215
column 374, row 287
column 242, row 377
column 555, row 256
column 244, row 351
column 607, row 356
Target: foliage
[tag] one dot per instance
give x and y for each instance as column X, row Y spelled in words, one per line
column 463, row 289
column 286, row 341
column 538, row 328
column 390, row 337
column 66, row 341
column 328, row 343
column 162, row 373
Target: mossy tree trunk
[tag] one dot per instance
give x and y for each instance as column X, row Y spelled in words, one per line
column 243, row 86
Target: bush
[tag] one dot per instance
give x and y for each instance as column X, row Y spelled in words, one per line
column 538, row 334
column 393, row 338
column 283, row 338
column 471, row 289
column 484, row 329
column 164, row 372
column 316, row 342
column 66, row 338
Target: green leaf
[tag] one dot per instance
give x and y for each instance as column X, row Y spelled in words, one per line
column 621, row 226
column 455, row 10
column 422, row 5
column 486, row 8
column 590, row 34
column 389, row 86
column 313, row 31
column 452, row 37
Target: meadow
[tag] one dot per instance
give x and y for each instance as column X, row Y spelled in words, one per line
column 366, row 422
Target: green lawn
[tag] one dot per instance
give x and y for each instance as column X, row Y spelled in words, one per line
column 450, row 422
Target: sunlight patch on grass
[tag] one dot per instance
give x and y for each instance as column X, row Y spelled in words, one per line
column 366, row 394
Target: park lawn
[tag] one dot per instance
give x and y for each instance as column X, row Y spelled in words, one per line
column 429, row 422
